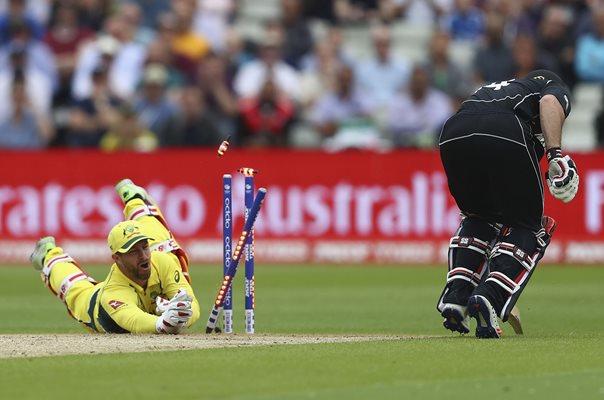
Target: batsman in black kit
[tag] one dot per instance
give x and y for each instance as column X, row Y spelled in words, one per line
column 490, row 150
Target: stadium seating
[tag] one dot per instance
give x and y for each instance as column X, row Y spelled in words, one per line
column 579, row 131
column 410, row 41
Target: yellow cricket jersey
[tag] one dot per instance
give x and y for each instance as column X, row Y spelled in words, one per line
column 120, row 305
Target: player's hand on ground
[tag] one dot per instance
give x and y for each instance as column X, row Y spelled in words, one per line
column 562, row 176
column 176, row 315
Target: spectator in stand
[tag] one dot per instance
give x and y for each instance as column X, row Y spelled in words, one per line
column 237, row 52
column 577, row 8
column 151, row 11
column 130, row 58
column 417, row 12
column 64, row 38
column 298, row 39
column 251, row 77
column 527, row 58
column 584, row 19
column 556, row 40
column 417, row 115
column 116, row 50
column 187, row 42
column 17, row 11
column 39, row 11
column 356, row 11
column 343, row 116
column 39, row 56
column 95, row 56
column 493, row 60
column 265, row 120
column 445, row 74
column 187, row 47
column 159, row 52
column 464, row 22
column 195, row 126
column 90, row 117
column 218, row 95
column 320, row 9
column 590, row 50
column 131, row 15
column 320, row 75
column 93, row 13
column 213, row 19
column 393, row 71
column 155, row 110
column 520, row 17
column 334, row 38
column 166, row 35
column 529, row 15
column 127, row 133
column 590, row 63
column 23, row 127
column 38, row 86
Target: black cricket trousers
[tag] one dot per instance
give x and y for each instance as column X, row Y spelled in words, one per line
column 492, row 164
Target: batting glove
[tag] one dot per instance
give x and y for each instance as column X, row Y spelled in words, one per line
column 562, row 176
column 176, row 314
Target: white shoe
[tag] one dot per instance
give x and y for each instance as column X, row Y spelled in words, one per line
column 43, row 246
column 456, row 318
column 487, row 325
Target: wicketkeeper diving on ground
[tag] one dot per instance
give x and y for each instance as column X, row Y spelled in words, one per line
column 148, row 287
column 490, row 151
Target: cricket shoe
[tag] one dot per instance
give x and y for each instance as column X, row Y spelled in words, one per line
column 43, row 246
column 456, row 318
column 127, row 191
column 487, row 326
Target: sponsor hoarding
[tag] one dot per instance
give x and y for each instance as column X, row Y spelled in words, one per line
column 351, row 207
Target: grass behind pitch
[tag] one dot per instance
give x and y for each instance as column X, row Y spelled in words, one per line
column 561, row 354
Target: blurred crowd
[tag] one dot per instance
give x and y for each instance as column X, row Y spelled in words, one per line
column 146, row 74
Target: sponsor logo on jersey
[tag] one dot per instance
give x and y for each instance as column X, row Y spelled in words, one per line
column 115, row 304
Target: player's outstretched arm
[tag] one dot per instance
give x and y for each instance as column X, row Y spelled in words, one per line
column 173, row 282
column 552, row 120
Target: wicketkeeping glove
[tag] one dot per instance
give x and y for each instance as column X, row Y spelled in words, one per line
column 562, row 176
column 161, row 305
column 176, row 314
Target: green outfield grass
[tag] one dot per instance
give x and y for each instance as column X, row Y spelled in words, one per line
column 560, row 356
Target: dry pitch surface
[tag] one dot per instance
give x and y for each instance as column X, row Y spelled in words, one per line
column 29, row 345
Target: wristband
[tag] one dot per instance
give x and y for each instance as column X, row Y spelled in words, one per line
column 554, row 152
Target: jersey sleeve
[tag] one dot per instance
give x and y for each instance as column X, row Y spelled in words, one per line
column 172, row 280
column 560, row 92
column 119, row 312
